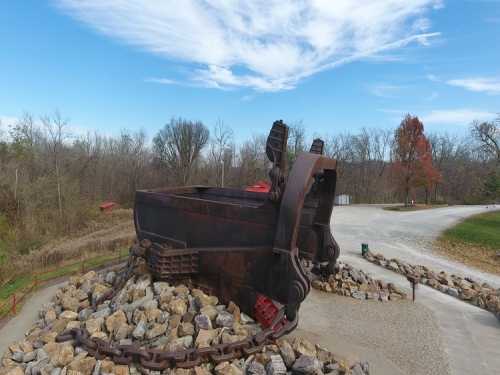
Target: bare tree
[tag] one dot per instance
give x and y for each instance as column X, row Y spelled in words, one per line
column 296, row 140
column 252, row 162
column 488, row 136
column 56, row 129
column 178, row 146
column 221, row 147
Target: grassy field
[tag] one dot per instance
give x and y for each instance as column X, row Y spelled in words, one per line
column 481, row 230
column 474, row 241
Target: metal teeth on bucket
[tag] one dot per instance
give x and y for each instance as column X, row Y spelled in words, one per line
column 164, row 262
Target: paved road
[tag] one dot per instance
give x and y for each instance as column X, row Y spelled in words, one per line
column 471, row 336
column 404, row 235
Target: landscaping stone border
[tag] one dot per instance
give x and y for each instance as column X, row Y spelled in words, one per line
column 466, row 289
column 351, row 282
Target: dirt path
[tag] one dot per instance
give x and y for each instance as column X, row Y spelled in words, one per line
column 121, row 230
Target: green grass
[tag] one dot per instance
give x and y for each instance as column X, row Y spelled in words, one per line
column 482, row 230
column 22, row 283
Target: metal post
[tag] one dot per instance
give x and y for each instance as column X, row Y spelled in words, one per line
column 414, row 280
column 364, row 249
column 14, row 302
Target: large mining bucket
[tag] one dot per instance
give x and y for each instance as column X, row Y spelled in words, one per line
column 240, row 244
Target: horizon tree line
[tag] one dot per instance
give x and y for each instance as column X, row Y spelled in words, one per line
column 51, row 182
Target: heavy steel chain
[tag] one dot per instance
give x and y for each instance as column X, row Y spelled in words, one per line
column 158, row 359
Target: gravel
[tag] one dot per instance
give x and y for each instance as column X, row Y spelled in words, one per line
column 406, row 333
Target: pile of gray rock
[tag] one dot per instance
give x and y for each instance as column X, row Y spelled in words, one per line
column 155, row 315
column 351, row 282
column 478, row 294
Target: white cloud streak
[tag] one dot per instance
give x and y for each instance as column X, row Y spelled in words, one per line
column 489, row 85
column 266, row 45
column 383, row 90
column 456, row 117
column 462, row 116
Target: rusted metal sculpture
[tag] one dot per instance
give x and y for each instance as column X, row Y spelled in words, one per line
column 242, row 245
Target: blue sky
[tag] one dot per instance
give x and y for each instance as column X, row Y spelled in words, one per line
column 335, row 65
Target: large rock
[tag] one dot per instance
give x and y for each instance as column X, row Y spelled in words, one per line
column 202, row 321
column 276, row 366
column 140, row 330
column 114, row 321
column 226, row 368
column 13, row 371
column 205, row 337
column 224, row 319
column 306, row 365
column 202, row 300
column 50, row 316
column 83, row 365
column 60, row 354
column 255, row 368
column 69, row 302
column 156, row 330
column 177, row 306
column 181, row 343
column 185, row 329
column 209, row 311
column 94, row 325
column 286, row 352
column 304, row 347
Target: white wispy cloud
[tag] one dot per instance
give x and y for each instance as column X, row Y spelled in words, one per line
column 490, row 85
column 461, row 116
column 266, row 45
column 457, row 116
column 163, row 81
column 384, row 90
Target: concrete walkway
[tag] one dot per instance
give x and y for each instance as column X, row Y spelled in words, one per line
column 16, row 327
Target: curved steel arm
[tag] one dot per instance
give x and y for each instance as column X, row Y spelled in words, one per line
column 291, row 283
column 301, row 177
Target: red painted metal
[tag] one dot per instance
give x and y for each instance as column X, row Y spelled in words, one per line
column 265, row 311
column 107, row 206
column 259, row 187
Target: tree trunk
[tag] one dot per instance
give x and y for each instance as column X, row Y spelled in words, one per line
column 59, row 200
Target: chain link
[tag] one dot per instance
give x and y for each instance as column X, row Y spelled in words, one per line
column 157, row 359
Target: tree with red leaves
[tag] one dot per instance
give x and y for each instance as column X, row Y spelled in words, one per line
column 412, row 155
